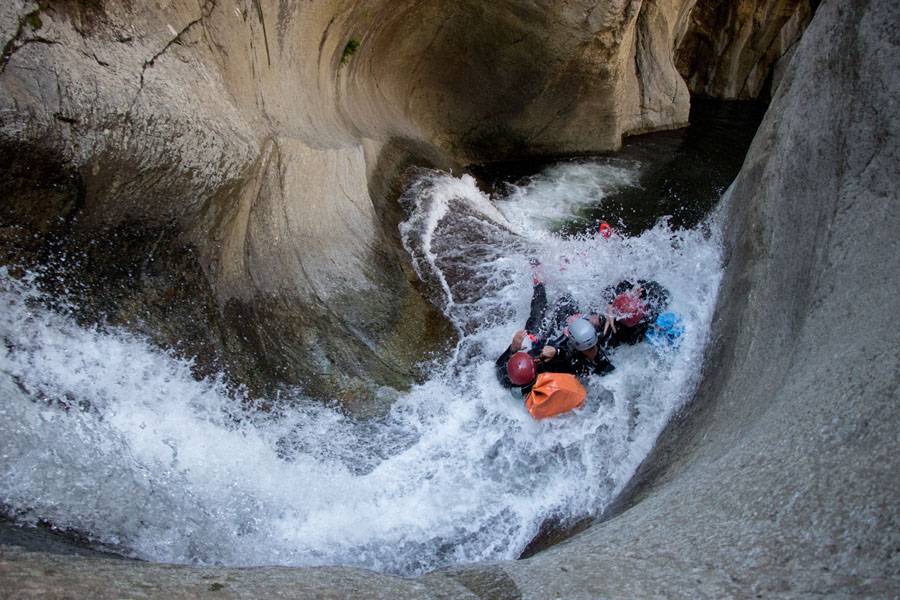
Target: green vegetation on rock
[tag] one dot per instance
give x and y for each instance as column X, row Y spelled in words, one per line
column 349, row 50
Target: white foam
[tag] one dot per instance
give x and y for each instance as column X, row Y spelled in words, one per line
column 563, row 190
column 102, row 433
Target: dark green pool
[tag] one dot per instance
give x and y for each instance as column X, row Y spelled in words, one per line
column 680, row 174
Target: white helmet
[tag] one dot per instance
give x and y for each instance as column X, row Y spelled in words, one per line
column 581, row 334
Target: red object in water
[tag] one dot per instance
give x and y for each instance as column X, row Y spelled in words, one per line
column 604, row 229
column 629, row 309
column 521, row 369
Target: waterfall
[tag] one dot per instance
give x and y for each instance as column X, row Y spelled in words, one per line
column 106, row 435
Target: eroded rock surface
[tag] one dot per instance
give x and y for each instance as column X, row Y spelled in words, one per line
column 729, row 49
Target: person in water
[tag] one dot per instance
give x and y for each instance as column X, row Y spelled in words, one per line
column 630, row 311
column 582, row 353
column 529, row 353
column 575, row 351
column 518, row 367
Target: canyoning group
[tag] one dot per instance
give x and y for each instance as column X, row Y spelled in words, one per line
column 546, row 359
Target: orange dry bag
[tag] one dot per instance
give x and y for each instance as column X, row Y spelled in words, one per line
column 554, row 394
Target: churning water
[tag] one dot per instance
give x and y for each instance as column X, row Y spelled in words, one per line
column 103, row 434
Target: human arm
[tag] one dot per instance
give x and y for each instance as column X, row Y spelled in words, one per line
column 500, row 369
column 500, row 366
column 548, row 352
column 555, row 356
column 518, row 340
column 517, row 345
column 609, row 322
column 656, row 298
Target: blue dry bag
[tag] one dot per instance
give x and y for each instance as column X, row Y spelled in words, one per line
column 665, row 333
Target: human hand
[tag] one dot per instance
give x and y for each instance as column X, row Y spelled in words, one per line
column 610, row 320
column 517, row 340
column 548, row 352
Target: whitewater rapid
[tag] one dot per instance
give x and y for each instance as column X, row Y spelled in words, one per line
column 106, row 435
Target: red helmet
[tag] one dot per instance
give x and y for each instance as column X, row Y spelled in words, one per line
column 629, row 309
column 520, row 367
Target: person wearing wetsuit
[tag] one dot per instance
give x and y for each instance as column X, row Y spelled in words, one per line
column 580, row 355
column 541, row 324
column 581, row 351
column 576, row 351
column 546, row 357
column 630, row 310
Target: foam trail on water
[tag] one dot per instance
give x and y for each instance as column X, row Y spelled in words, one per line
column 563, row 190
column 106, row 435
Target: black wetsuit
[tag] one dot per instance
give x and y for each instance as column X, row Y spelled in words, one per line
column 542, row 325
column 567, row 360
column 578, row 363
column 656, row 299
column 539, row 327
column 557, row 364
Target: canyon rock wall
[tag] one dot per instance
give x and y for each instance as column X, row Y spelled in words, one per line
column 731, row 50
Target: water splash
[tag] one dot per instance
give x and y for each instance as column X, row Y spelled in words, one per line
column 562, row 192
column 103, row 434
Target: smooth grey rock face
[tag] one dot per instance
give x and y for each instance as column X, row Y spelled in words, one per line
column 780, row 478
